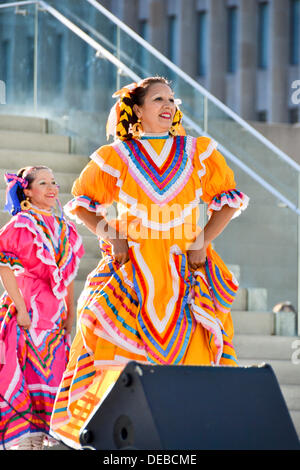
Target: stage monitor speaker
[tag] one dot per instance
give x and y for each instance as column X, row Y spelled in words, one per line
column 192, row 408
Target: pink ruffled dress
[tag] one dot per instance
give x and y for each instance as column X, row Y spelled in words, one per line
column 44, row 251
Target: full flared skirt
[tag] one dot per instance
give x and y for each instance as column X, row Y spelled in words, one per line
column 32, row 363
column 117, row 323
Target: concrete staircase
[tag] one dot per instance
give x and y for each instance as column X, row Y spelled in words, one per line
column 255, row 344
column 25, row 141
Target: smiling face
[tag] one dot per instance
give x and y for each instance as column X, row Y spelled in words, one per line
column 158, row 109
column 43, row 190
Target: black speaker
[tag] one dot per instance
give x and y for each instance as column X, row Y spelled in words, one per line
column 192, row 407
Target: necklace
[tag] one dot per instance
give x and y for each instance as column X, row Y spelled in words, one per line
column 155, row 135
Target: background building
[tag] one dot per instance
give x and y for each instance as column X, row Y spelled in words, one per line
column 245, row 52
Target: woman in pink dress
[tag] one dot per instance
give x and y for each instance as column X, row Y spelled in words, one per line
column 39, row 258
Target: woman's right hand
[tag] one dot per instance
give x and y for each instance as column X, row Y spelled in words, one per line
column 23, row 318
column 11, row 286
column 120, row 250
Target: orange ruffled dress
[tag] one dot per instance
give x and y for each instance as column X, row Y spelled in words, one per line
column 152, row 309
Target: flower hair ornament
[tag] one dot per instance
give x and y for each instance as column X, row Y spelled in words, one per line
column 119, row 111
column 12, row 203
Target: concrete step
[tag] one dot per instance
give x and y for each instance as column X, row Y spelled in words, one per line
column 60, row 161
column 236, row 270
column 253, row 323
column 240, row 302
column 291, row 394
column 286, row 372
column 90, row 240
column 78, row 287
column 17, row 123
column 241, row 234
column 34, row 141
column 4, row 216
column 264, row 346
column 251, row 298
column 91, row 247
column 87, row 264
column 295, row 415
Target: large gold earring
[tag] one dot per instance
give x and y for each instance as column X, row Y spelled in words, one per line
column 173, row 131
column 25, row 204
column 136, row 129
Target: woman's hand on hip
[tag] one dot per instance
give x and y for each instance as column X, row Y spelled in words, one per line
column 120, row 250
column 196, row 258
column 23, row 318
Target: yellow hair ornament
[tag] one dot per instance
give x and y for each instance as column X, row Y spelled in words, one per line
column 114, row 115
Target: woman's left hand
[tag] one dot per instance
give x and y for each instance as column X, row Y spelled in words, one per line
column 67, row 325
column 196, row 258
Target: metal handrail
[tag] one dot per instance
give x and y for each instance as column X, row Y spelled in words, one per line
column 118, row 63
column 196, row 85
column 18, row 4
column 246, row 169
column 121, row 66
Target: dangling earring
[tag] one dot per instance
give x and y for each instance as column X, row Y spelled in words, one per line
column 25, row 204
column 173, row 131
column 136, row 129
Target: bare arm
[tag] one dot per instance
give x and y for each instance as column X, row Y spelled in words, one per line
column 10, row 285
column 100, row 227
column 214, row 227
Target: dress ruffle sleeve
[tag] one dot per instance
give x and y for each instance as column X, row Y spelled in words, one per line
column 95, row 188
column 217, row 179
column 15, row 247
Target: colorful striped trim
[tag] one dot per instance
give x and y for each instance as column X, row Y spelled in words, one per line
column 160, row 185
column 11, row 261
column 223, row 290
column 85, row 202
column 232, row 198
column 165, row 341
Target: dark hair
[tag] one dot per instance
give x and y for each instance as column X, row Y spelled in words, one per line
column 29, row 174
column 139, row 93
column 137, row 96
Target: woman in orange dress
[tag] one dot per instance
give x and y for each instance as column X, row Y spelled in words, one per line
column 160, row 293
